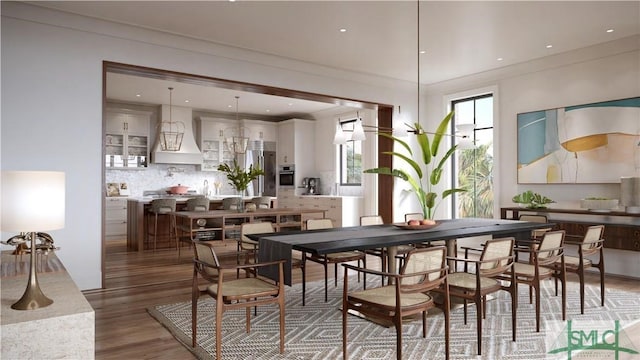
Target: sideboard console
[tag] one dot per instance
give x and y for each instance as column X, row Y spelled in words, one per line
column 621, row 231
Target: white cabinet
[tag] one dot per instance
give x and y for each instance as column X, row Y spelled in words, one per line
column 342, row 210
column 211, row 142
column 261, row 130
column 127, row 138
column 296, row 146
column 116, row 218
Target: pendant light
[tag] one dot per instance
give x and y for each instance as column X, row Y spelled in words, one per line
column 237, row 137
column 171, row 132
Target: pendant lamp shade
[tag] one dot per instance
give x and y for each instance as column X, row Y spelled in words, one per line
column 171, row 132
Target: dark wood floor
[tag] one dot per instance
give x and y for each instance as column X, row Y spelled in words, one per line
column 137, row 281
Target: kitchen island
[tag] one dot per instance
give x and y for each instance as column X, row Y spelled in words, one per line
column 137, row 226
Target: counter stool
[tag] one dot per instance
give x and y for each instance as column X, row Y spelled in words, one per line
column 199, row 203
column 162, row 207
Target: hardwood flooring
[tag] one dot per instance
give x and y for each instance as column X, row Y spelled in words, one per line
column 136, row 281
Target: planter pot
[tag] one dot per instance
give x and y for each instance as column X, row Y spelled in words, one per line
column 602, row 205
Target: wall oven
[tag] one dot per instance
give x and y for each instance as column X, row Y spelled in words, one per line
column 287, row 176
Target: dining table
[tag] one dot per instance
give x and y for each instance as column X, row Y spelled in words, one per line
column 277, row 246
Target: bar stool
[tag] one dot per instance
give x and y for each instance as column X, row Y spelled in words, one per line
column 199, row 203
column 162, row 207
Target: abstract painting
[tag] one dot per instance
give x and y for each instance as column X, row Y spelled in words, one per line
column 584, row 144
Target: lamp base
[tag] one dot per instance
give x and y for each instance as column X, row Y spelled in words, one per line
column 32, row 299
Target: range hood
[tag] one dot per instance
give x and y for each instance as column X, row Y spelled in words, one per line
column 189, row 152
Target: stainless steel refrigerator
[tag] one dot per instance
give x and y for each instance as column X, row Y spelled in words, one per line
column 263, row 155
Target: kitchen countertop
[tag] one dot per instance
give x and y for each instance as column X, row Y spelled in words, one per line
column 184, row 198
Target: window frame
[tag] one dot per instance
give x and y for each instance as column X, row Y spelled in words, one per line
column 343, row 148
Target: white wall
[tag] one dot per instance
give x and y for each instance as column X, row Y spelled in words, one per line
column 606, row 72
column 52, row 102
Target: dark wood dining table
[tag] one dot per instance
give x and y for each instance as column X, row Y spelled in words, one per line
column 276, row 246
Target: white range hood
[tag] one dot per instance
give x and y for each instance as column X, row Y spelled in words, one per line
column 189, row 152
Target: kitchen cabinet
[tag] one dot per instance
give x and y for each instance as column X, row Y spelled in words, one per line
column 212, row 145
column 296, row 142
column 342, row 210
column 261, row 130
column 115, row 218
column 127, row 138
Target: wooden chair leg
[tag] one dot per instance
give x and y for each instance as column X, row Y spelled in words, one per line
column 581, row 278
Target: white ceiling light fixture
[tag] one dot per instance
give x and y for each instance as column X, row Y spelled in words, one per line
column 339, row 137
column 171, row 132
column 237, row 138
column 358, row 130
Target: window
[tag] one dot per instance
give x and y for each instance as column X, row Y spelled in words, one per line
column 350, row 157
column 474, row 167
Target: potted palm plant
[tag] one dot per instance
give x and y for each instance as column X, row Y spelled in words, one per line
column 427, row 168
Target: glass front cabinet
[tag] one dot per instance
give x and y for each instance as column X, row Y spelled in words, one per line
column 127, row 138
column 214, row 149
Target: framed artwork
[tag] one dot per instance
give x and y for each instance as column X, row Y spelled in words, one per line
column 113, row 189
column 584, row 144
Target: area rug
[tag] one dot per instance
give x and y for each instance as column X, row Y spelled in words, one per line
column 314, row 331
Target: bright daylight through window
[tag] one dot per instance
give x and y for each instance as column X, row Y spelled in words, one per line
column 474, row 167
column 350, row 157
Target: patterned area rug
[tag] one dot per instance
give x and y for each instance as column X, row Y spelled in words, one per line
column 314, row 331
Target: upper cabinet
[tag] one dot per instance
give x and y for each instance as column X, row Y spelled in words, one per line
column 127, row 138
column 211, row 138
column 296, row 144
column 211, row 142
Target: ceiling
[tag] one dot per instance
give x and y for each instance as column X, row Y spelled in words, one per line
column 458, row 38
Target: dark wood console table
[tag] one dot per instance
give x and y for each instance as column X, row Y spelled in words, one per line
column 621, row 231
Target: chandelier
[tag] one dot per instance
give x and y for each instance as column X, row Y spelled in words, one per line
column 237, row 138
column 171, row 132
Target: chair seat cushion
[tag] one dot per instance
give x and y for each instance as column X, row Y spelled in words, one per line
column 574, row 262
column 529, row 270
column 386, row 296
column 241, row 287
column 468, row 281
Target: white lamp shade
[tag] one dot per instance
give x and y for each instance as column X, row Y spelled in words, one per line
column 32, row 201
column 358, row 132
column 339, row 137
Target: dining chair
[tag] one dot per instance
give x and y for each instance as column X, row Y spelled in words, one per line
column 162, row 207
column 424, row 270
column 246, row 292
column 592, row 243
column 333, row 258
column 492, row 270
column 546, row 260
column 251, row 246
column 401, row 250
column 537, row 233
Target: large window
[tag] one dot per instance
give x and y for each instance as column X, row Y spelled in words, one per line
column 350, row 157
column 474, row 167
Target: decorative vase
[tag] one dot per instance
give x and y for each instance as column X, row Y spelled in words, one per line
column 240, row 202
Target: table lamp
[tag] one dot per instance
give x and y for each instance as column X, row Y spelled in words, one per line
column 32, row 201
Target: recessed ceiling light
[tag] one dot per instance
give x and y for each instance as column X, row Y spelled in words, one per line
column 268, row 110
column 610, row 30
column 186, row 101
column 423, row 51
column 138, row 95
column 343, row 30
column 290, row 104
column 549, row 46
column 499, row 59
column 229, row 106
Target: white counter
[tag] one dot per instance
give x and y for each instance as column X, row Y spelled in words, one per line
column 62, row 330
